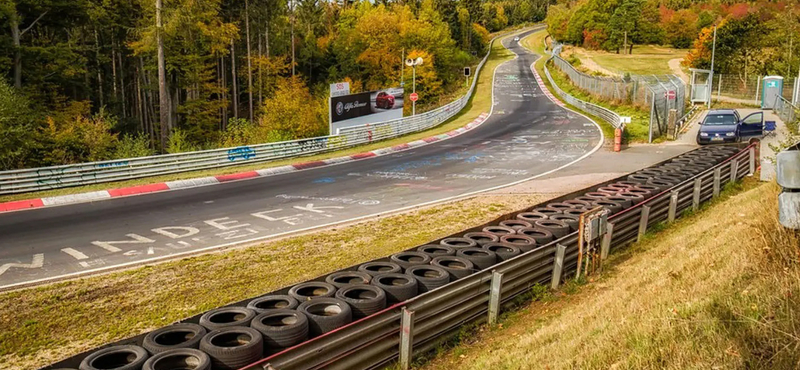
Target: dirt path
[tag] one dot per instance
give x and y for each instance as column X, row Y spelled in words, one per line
column 590, row 64
column 675, row 66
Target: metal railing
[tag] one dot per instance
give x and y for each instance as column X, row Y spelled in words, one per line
column 606, row 114
column 429, row 318
column 681, row 122
column 55, row 177
column 785, row 110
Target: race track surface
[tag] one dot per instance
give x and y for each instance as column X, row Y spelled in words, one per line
column 526, row 136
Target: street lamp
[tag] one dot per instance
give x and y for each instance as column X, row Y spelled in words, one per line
column 413, row 63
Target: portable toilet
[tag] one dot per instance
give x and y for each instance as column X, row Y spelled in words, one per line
column 772, row 89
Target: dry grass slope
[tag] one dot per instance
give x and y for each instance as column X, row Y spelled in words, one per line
column 719, row 290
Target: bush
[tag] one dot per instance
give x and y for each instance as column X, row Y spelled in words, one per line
column 132, row 146
column 16, row 128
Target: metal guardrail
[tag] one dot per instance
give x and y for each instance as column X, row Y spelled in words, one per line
column 606, row 114
column 376, row 341
column 686, row 118
column 55, row 177
column 785, row 110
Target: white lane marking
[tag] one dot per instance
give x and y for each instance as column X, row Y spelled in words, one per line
column 170, row 231
column 109, row 246
column 150, row 250
column 36, row 262
column 75, row 254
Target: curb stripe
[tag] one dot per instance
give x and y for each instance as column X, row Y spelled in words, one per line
column 21, row 204
column 363, row 155
column 138, row 190
column 307, row 165
column 237, row 176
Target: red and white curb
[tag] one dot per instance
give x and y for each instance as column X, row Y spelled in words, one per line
column 545, row 90
column 211, row 180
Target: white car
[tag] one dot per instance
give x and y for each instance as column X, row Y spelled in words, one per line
column 516, row 38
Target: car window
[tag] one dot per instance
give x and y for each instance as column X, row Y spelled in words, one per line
column 720, row 119
column 754, row 119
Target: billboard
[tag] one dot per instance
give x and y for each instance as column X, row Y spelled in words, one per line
column 367, row 107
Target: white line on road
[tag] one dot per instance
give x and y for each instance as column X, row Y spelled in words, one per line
column 76, row 254
column 36, row 262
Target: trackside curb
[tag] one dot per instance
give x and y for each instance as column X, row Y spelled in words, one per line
column 21, row 205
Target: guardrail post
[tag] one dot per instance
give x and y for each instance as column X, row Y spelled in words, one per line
column 605, row 244
column 698, row 183
column 558, row 266
column 643, row 220
column 717, row 178
column 752, row 157
column 734, row 169
column 494, row 296
column 673, row 206
column 406, row 337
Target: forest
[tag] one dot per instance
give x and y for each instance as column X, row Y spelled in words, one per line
column 752, row 37
column 87, row 80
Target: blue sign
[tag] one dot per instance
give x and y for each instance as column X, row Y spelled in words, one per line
column 242, row 152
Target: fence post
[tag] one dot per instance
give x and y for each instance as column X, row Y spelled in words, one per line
column 494, row 296
column 605, row 245
column 717, row 178
column 643, row 220
column 558, row 266
column 673, row 134
column 698, row 183
column 758, row 87
column 406, row 337
column 752, row 157
column 719, row 86
column 734, row 169
column 673, row 206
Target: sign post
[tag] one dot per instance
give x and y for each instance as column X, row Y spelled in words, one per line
column 413, row 63
column 466, row 76
column 414, row 97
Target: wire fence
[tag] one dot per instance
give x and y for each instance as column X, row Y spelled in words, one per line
column 657, row 93
column 746, row 89
column 787, row 111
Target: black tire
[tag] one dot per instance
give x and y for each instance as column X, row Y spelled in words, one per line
column 641, row 179
column 546, row 211
column 531, row 217
column 326, row 314
column 457, row 267
column 570, row 220
column 560, row 206
column 578, row 204
column 281, row 329
column 481, row 258
column 117, row 358
column 661, row 184
column 595, row 195
column 498, row 230
column 652, row 189
column 429, row 277
column 175, row 336
column 457, row 243
column 398, row 287
column 227, row 316
column 312, row 290
column 559, row 229
column 233, row 347
column 344, row 278
column 272, row 302
column 623, row 201
column 184, row 359
column 436, row 250
column 364, row 300
column 523, row 242
column 608, row 190
column 642, row 192
column 632, row 197
column 541, row 236
column 482, row 237
column 408, row 259
column 516, row 224
column 612, row 207
column 574, row 212
column 379, row 267
column 504, row 251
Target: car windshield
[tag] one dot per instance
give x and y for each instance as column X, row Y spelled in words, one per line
column 720, row 119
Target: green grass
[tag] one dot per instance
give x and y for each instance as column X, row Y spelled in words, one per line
column 481, row 102
column 636, row 131
column 645, row 59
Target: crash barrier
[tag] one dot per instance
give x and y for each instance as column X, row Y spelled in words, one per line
column 606, row 114
column 681, row 122
column 367, row 315
column 55, row 177
column 788, row 177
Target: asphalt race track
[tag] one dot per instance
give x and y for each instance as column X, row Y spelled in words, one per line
column 526, row 136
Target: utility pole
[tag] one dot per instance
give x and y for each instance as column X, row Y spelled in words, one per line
column 163, row 98
column 713, row 51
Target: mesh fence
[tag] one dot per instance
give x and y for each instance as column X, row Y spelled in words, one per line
column 744, row 89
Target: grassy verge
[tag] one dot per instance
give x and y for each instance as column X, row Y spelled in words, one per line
column 43, row 324
column 720, row 289
column 644, row 60
column 481, row 102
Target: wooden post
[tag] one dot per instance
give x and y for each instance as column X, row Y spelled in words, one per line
column 734, row 169
column 406, row 338
column 698, row 182
column 672, row 132
column 717, row 179
column 558, row 265
column 752, row 157
column 605, row 245
column 643, row 220
column 494, row 297
column 673, row 206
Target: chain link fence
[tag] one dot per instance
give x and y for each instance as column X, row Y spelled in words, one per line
column 745, row 89
column 787, row 111
column 657, row 93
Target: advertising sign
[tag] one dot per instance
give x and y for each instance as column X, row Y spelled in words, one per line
column 363, row 108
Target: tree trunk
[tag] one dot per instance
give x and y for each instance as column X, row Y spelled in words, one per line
column 138, row 102
column 163, row 94
column 122, row 85
column 99, row 68
column 233, row 77
column 15, row 37
column 249, row 65
column 224, row 95
column 291, row 3
column 260, row 74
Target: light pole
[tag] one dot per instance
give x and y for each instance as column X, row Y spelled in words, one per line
column 413, row 63
column 713, row 51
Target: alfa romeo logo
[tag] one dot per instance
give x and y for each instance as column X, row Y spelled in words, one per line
column 339, row 108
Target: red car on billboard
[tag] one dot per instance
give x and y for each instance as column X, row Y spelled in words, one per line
column 384, row 100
